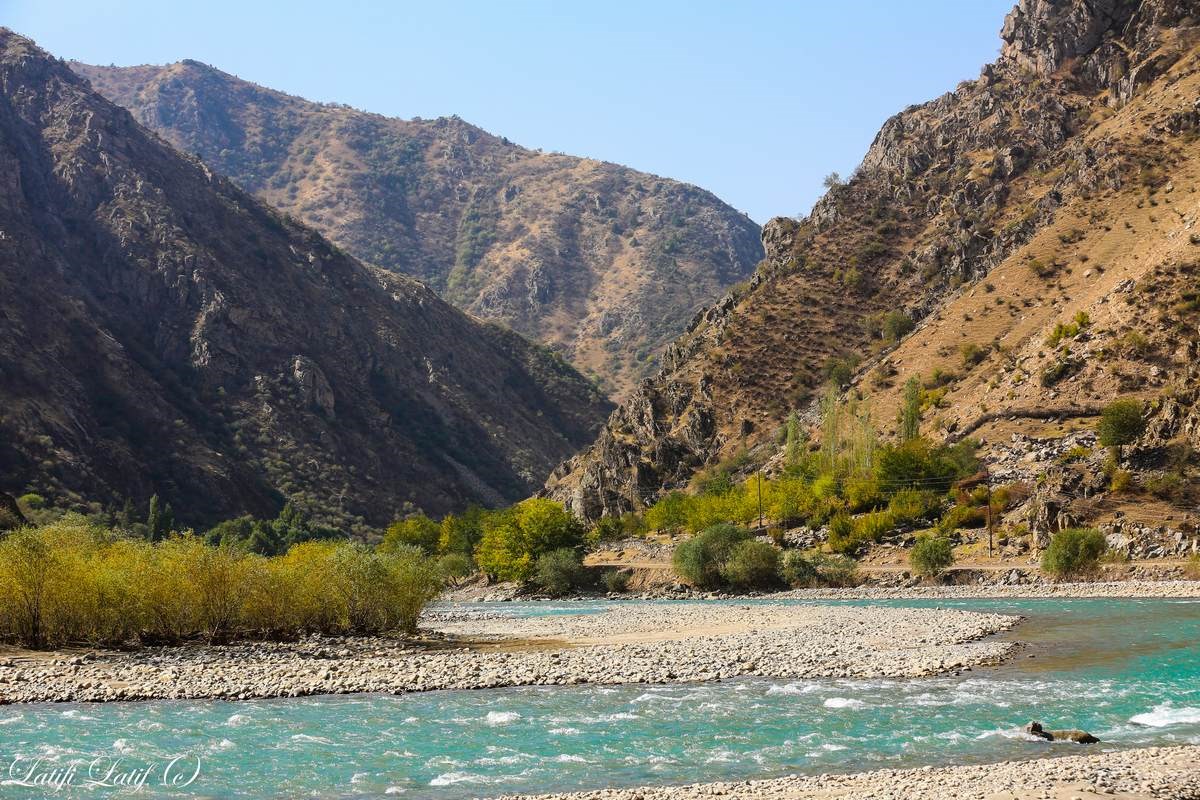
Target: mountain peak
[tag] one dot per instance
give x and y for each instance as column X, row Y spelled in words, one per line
column 166, row 333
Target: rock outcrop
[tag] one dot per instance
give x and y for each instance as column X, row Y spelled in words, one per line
column 163, row 332
column 948, row 192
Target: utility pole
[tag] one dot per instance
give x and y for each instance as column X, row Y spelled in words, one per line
column 989, row 518
column 760, row 510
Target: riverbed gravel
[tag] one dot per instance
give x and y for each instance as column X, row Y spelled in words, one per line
column 624, row 644
column 1156, row 772
column 1149, row 589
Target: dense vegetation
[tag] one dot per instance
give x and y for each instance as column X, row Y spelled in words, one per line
column 1073, row 552
column 861, row 488
column 72, row 581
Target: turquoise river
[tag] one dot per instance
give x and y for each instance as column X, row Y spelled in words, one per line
column 1126, row 670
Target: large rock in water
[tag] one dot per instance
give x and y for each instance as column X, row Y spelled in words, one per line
column 1035, row 729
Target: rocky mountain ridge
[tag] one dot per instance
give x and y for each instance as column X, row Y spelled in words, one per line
column 1086, row 111
column 162, row 331
column 600, row 262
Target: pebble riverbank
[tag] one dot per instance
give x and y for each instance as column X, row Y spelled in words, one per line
column 624, row 644
column 1149, row 589
column 1155, row 772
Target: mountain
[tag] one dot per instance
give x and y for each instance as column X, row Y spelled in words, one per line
column 604, row 264
column 1062, row 180
column 162, row 331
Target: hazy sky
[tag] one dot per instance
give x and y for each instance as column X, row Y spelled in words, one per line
column 755, row 101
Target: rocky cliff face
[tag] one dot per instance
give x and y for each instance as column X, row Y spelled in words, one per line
column 162, row 331
column 602, row 263
column 1086, row 104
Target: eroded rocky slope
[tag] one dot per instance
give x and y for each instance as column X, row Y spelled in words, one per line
column 162, row 331
column 1087, row 118
column 602, row 263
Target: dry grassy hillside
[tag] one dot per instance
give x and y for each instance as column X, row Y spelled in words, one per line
column 1059, row 179
column 604, row 264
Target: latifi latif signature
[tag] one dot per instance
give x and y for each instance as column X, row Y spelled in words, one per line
column 176, row 772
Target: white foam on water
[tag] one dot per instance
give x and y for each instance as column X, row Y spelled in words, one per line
column 451, row 778
column 149, row 725
column 74, row 713
column 568, row 757
column 304, row 737
column 829, row 747
column 495, row 718
column 11, row 720
column 564, row 731
column 1166, row 714
column 122, row 746
column 394, row 790
column 794, row 689
column 844, row 702
column 237, row 719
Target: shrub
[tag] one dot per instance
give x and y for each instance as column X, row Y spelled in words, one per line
column 1073, row 551
column 896, row 325
column 31, row 502
column 514, row 538
column 931, row 555
column 460, row 533
column 909, row 506
column 1080, row 321
column 798, row 571
column 453, row 567
column 669, row 513
column 700, row 559
column 835, row 570
column 616, row 581
column 1121, row 423
column 558, row 571
column 1121, row 481
column 1191, row 570
column 972, row 354
column 416, row 530
column 73, row 582
column 962, row 516
column 751, row 565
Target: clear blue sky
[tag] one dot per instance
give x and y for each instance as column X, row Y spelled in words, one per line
column 756, row 101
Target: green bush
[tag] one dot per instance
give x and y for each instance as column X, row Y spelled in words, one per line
column 1073, row 551
column 798, row 571
column 909, row 506
column 931, row 555
column 559, row 572
column 669, row 513
column 514, row 538
column 31, row 502
column 453, row 567
column 700, row 559
column 616, row 581
column 752, row 565
column 896, row 325
column 962, row 516
column 1121, row 423
column 416, row 530
column 835, row 570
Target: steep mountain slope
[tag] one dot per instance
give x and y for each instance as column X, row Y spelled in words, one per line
column 163, row 331
column 602, row 263
column 964, row 214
